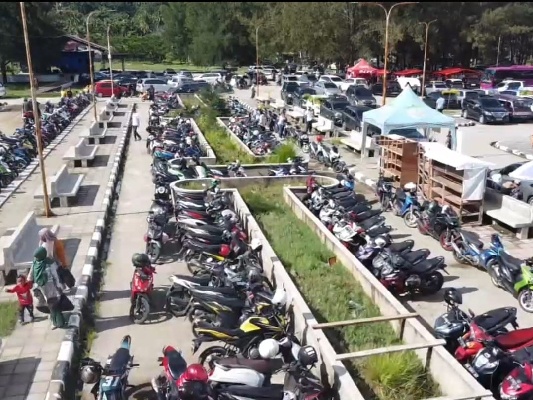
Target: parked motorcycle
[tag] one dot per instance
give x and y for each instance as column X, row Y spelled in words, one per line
column 155, row 237
column 141, row 286
column 442, row 223
column 468, row 249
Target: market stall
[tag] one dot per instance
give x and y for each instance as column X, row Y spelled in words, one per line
column 454, row 179
column 361, row 69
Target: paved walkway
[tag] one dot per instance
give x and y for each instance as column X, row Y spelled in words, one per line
column 113, row 322
column 28, row 355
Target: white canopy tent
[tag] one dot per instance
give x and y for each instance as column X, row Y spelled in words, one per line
column 475, row 170
column 408, row 111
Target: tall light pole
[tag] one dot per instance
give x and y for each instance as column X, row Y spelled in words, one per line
column 387, row 19
column 498, row 54
column 426, row 24
column 36, row 114
column 109, row 59
column 91, row 72
column 257, row 59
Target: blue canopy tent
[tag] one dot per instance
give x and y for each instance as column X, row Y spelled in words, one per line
column 408, row 111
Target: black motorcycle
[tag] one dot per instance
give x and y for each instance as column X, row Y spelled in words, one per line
column 442, row 223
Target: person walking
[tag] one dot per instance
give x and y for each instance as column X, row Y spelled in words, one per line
column 55, row 250
column 282, row 120
column 43, row 273
column 440, row 103
column 309, row 116
column 151, row 93
column 135, row 122
column 23, row 291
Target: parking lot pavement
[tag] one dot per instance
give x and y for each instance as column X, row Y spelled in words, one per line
column 28, row 355
column 520, row 146
column 112, row 321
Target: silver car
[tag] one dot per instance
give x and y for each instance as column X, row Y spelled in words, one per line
column 327, row 88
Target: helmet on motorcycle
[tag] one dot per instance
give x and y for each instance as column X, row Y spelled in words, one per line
column 89, row 374
column 255, row 132
column 195, row 372
column 432, row 206
column 268, row 348
column 256, row 245
column 140, row 260
column 307, row 356
column 279, row 298
column 453, row 297
column 409, row 187
column 380, row 242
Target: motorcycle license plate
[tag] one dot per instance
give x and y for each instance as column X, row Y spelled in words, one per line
column 470, row 369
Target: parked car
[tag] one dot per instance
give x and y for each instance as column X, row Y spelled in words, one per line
column 352, row 118
column 326, row 88
column 210, row 77
column 360, row 96
column 510, row 85
column 108, row 88
column 450, row 99
column 299, row 93
column 307, row 79
column 454, row 83
column 3, row 90
column 126, row 81
column 497, row 177
column 331, row 79
column 159, row 85
column 485, row 109
column 434, row 86
column 353, row 82
column 169, row 72
column 191, row 87
column 289, row 78
column 471, row 82
column 178, row 80
column 393, row 89
column 287, row 91
column 519, row 108
column 332, row 109
column 463, row 94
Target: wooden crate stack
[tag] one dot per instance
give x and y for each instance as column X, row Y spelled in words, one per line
column 398, row 158
column 444, row 183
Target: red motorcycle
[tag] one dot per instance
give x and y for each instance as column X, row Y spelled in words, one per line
column 142, row 285
column 518, row 384
column 177, row 380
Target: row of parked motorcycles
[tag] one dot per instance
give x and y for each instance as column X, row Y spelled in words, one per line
column 327, row 155
column 19, row 149
column 441, row 222
column 231, row 305
column 259, row 141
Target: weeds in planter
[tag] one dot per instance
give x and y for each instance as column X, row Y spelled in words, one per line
column 8, row 317
column 334, row 295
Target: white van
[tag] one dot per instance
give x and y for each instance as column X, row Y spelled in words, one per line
column 178, row 80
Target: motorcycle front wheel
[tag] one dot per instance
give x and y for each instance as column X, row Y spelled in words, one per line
column 460, row 259
column 410, row 218
column 208, row 357
column 432, row 283
column 153, row 251
column 140, row 310
column 339, row 167
column 445, row 240
column 525, row 300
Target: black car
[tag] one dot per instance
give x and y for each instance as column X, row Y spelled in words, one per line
column 485, row 109
column 299, row 93
column 169, row 71
column 360, row 96
column 393, row 89
column 126, row 81
column 192, row 87
column 287, row 91
column 332, row 109
column 451, row 100
column 352, row 117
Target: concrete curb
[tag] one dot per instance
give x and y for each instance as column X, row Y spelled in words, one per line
column 32, row 166
column 70, row 343
column 463, row 124
column 518, row 153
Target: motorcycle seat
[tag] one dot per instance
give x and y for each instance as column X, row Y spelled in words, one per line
column 337, row 190
column 265, row 367
column 516, row 339
column 369, row 223
column 471, row 237
column 192, row 205
column 119, row 360
column 428, row 265
column 357, row 208
column 495, row 319
column 400, row 194
column 414, row 257
column 176, row 364
column 211, row 230
column 201, row 212
column 205, row 327
column 207, row 238
column 401, row 246
column 380, row 230
column 223, row 295
column 362, row 216
column 203, row 247
column 510, row 262
column 198, row 279
column 274, row 391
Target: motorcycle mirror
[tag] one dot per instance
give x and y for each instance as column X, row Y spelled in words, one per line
column 471, row 313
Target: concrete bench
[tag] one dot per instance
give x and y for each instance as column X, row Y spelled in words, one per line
column 97, row 133
column 18, row 244
column 80, row 154
column 509, row 211
column 296, row 114
column 323, row 125
column 355, row 140
column 63, row 185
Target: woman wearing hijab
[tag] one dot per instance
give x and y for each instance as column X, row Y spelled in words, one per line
column 55, row 250
column 43, row 273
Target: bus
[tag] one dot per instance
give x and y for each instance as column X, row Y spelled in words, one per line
column 495, row 75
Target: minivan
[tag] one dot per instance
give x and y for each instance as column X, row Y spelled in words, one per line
column 485, row 109
column 519, row 108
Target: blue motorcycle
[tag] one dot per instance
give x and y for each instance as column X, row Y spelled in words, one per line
column 110, row 381
column 468, row 249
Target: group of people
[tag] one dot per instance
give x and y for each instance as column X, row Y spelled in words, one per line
column 270, row 121
column 50, row 276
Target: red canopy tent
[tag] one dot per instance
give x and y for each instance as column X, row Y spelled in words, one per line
column 409, row 72
column 362, row 68
column 457, row 71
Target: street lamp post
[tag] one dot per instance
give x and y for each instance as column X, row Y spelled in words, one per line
column 387, row 19
column 36, row 114
column 426, row 24
column 109, row 59
column 257, row 60
column 91, row 72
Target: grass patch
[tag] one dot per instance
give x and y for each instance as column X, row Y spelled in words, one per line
column 20, row 90
column 8, row 317
column 334, row 295
column 160, row 67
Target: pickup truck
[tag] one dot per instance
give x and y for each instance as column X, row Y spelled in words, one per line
column 332, row 109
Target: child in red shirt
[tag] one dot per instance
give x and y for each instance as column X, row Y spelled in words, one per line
column 25, row 298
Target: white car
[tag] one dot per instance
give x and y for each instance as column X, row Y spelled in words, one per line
column 332, row 79
column 3, row 91
column 210, row 77
column 510, row 85
column 178, row 80
column 158, row 84
column 353, row 81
